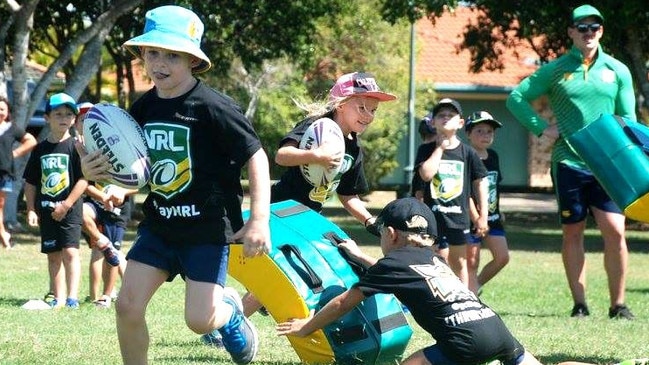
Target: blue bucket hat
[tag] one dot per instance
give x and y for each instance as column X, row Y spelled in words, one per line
column 61, row 99
column 173, row 28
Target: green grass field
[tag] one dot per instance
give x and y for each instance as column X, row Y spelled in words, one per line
column 531, row 295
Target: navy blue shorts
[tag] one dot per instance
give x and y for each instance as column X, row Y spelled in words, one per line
column 475, row 240
column 452, row 236
column 577, row 190
column 114, row 229
column 205, row 262
column 435, row 356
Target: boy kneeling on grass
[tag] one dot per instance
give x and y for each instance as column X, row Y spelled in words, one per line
column 465, row 330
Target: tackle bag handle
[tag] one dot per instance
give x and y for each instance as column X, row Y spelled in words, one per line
column 306, row 273
column 358, row 267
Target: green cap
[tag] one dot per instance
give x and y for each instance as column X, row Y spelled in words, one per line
column 585, row 11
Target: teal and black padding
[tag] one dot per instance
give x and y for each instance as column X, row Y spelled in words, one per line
column 614, row 149
column 305, row 247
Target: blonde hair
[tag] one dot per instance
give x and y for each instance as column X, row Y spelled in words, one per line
column 416, row 239
column 419, row 240
column 322, row 107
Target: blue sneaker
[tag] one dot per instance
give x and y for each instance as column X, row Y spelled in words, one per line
column 239, row 335
column 213, row 338
column 54, row 304
column 72, row 303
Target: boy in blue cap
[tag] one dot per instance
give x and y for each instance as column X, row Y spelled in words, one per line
column 54, row 185
column 199, row 141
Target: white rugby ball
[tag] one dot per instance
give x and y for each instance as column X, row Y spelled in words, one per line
column 322, row 131
column 111, row 129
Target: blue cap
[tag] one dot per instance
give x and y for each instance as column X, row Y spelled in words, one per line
column 173, row 28
column 61, row 99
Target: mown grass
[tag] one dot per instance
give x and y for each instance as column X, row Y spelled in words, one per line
column 531, row 295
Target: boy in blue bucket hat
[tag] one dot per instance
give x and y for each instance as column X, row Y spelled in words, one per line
column 199, row 141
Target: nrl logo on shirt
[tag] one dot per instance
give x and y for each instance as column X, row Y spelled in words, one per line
column 449, row 180
column 171, row 164
column 55, row 177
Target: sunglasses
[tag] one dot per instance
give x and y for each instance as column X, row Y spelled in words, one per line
column 583, row 28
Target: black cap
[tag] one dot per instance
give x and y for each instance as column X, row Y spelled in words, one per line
column 409, row 215
column 448, row 102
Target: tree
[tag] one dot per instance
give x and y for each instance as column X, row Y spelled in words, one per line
column 77, row 38
column 504, row 23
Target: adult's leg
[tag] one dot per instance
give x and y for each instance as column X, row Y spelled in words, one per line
column 616, row 254
column 497, row 245
column 574, row 260
column 139, row 284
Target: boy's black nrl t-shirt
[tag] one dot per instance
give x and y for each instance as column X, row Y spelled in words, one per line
column 54, row 169
column 199, row 143
column 447, row 194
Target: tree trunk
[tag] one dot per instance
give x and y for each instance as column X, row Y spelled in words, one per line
column 638, row 66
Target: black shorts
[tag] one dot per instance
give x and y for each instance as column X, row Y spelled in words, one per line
column 55, row 236
column 452, row 237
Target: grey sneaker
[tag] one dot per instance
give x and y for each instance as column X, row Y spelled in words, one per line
column 239, row 335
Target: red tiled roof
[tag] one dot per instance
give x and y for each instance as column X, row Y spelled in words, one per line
column 439, row 62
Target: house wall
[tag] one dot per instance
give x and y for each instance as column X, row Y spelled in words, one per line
column 524, row 158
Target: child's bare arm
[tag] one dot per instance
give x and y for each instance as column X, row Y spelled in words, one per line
column 62, row 209
column 482, row 187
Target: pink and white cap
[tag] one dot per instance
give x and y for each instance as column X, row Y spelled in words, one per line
column 359, row 84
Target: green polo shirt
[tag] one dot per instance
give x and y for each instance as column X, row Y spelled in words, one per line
column 579, row 94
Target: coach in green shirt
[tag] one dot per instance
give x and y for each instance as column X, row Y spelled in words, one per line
column 581, row 85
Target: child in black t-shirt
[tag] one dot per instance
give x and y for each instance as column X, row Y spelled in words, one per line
column 54, row 185
column 465, row 330
column 199, row 141
column 450, row 170
column 481, row 129
column 352, row 104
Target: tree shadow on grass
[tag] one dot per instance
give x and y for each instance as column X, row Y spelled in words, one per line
column 559, row 357
column 12, row 302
